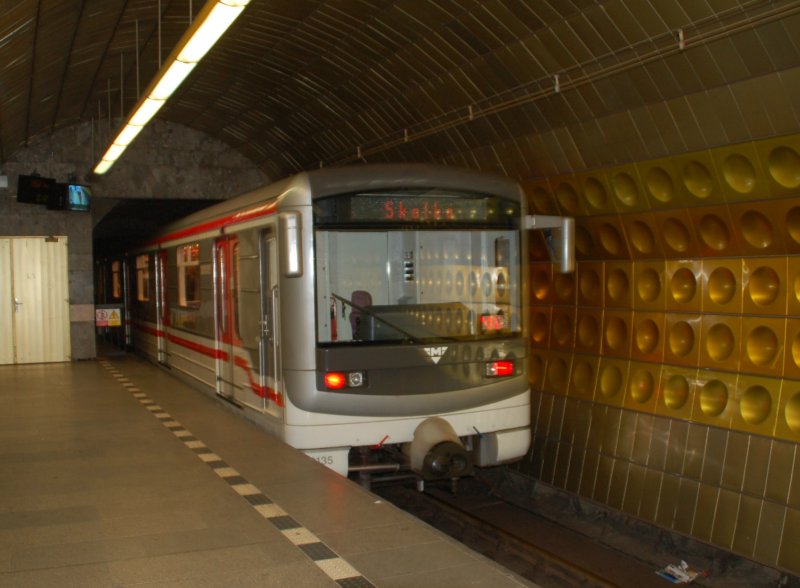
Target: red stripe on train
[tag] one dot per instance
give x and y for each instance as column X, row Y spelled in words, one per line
column 231, row 219
column 262, row 391
column 148, row 330
column 198, row 347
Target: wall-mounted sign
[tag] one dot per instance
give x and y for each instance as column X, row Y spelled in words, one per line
column 107, row 317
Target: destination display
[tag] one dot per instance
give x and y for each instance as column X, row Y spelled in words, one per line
column 418, row 209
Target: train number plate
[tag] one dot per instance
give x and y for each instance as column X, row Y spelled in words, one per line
column 335, row 459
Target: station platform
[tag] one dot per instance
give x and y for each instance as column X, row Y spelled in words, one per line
column 114, row 473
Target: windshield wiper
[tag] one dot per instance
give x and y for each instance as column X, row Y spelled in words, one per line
column 427, row 337
column 366, row 310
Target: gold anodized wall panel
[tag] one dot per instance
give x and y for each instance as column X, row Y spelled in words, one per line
column 641, row 232
column 618, row 284
column 667, row 368
column 720, row 336
column 588, row 330
column 757, row 228
column 642, row 389
column 662, row 183
column 762, row 344
column 583, row 378
column 787, row 420
column 695, row 176
column 793, row 286
column 648, row 336
column 676, row 234
column 765, row 282
column 676, row 392
column 722, row 285
column 716, row 235
column 627, row 193
column 649, row 292
column 610, row 237
column 591, row 282
column 789, row 209
column 781, row 162
column 596, row 193
column 683, row 286
column 612, row 380
column 740, row 173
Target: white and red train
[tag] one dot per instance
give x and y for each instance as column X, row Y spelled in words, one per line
column 372, row 308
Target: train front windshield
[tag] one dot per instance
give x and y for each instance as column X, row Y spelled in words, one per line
column 417, row 267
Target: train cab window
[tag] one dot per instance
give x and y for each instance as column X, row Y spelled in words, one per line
column 189, row 275
column 116, row 280
column 418, row 286
column 417, row 265
column 143, row 277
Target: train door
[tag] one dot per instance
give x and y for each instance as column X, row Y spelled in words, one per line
column 127, row 303
column 269, row 357
column 162, row 317
column 223, row 322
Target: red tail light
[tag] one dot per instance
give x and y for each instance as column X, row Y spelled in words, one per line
column 335, row 380
column 500, row 368
column 344, row 380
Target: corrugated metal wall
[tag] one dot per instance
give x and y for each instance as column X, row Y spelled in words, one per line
column 666, row 370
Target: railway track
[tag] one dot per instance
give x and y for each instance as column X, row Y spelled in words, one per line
column 485, row 525
column 546, row 552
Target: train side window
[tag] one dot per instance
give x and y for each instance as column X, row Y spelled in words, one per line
column 143, row 278
column 189, row 275
column 116, row 280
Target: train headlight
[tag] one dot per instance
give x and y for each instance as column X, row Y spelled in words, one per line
column 355, row 379
column 499, row 368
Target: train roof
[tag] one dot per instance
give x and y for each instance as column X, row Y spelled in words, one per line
column 340, row 180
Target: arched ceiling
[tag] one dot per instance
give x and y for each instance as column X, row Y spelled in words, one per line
column 531, row 88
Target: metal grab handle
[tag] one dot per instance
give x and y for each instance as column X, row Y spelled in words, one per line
column 268, row 320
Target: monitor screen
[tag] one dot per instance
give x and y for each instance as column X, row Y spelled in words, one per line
column 79, row 198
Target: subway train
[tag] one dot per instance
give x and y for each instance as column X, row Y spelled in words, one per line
column 371, row 316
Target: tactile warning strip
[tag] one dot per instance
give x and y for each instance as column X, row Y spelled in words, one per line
column 323, row 556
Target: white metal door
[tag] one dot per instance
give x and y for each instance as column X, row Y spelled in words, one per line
column 38, row 299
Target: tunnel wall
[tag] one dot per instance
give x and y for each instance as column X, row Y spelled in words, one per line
column 666, row 369
column 170, row 161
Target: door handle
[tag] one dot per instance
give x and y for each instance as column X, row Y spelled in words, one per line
column 17, row 304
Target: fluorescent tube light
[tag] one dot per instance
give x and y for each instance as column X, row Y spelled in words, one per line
column 127, row 135
column 146, row 110
column 211, row 24
column 209, row 32
column 171, row 79
column 103, row 167
column 113, row 152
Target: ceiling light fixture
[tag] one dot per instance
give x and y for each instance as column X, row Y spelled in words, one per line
column 212, row 22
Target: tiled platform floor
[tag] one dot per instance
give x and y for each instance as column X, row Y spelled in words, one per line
column 97, row 488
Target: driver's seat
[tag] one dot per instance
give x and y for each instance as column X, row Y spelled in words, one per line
column 360, row 299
